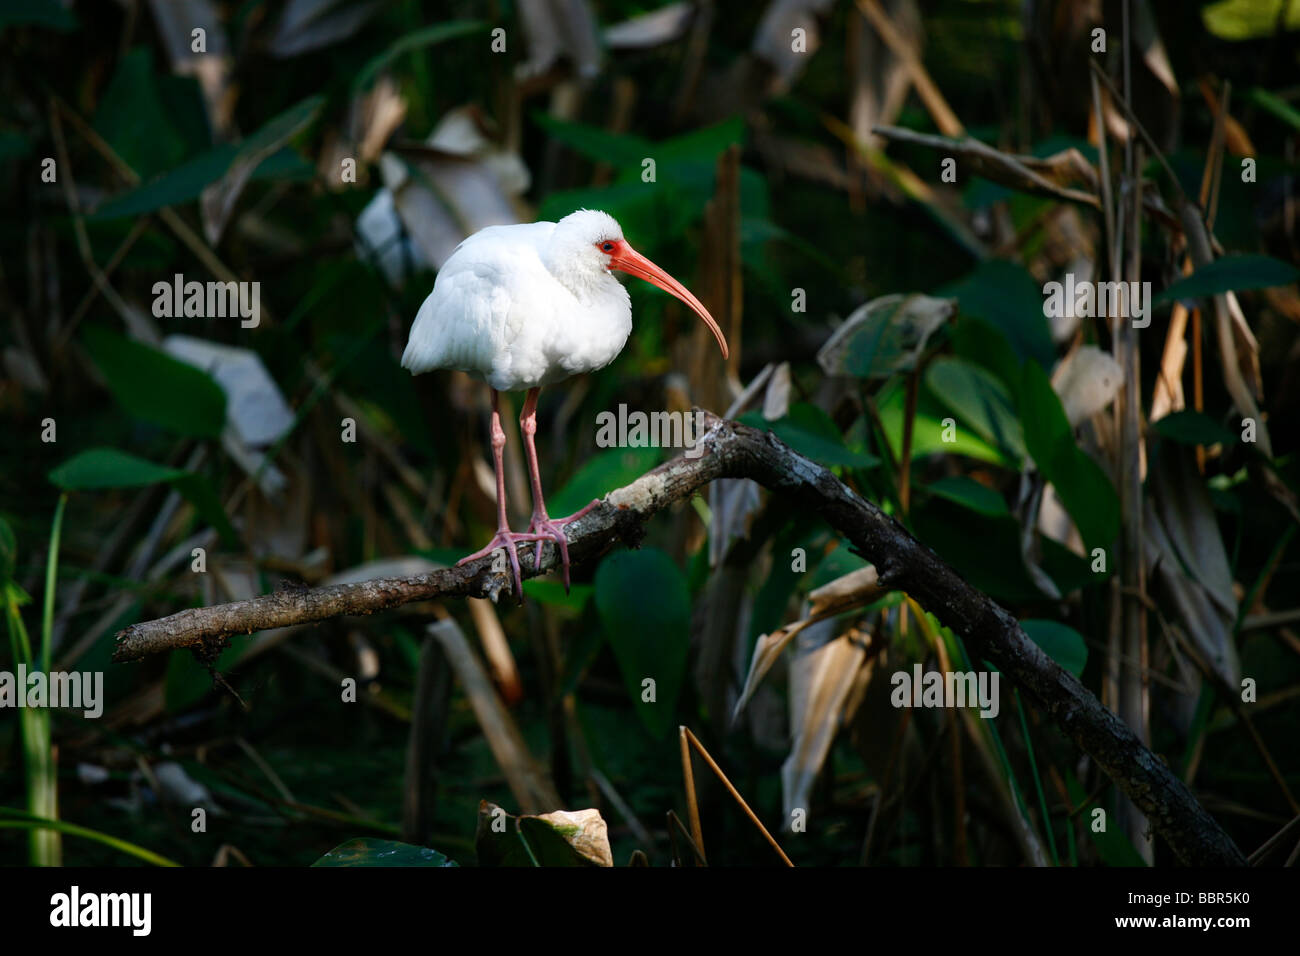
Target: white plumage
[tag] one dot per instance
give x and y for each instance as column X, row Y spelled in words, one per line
column 525, row 306
column 521, row 307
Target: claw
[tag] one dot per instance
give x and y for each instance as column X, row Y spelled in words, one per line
column 507, row 539
column 553, row 528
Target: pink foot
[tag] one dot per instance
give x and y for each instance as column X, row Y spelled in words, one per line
column 507, row 539
column 553, row 528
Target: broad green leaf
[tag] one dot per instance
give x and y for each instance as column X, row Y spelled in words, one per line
column 1193, row 428
column 552, row 592
column 418, row 40
column 602, row 473
column 811, row 432
column 984, row 345
column 708, row 143
column 1006, row 296
column 1113, row 845
column 131, row 116
column 1084, row 488
column 368, row 851
column 1231, row 274
column 978, row 399
column 153, row 386
column 109, row 468
column 621, row 150
column 928, row 429
column 1248, row 19
column 984, row 550
column 100, row 468
column 1060, row 642
column 884, row 336
column 645, row 612
column 188, row 180
column 281, row 127
column 838, row 563
column 969, row 493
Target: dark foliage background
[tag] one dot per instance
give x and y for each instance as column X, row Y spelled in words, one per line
column 775, row 202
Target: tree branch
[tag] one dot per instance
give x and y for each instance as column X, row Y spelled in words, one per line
column 732, row 450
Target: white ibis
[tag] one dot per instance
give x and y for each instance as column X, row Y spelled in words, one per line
column 524, row 306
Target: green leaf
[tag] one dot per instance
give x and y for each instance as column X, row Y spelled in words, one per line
column 984, row 345
column 100, row 468
column 153, row 386
column 969, row 493
column 281, row 127
column 645, row 612
column 418, row 40
column 1060, row 642
column 984, row 550
column 1006, row 296
column 109, row 468
column 1275, row 105
column 1248, row 19
column 928, row 430
column 1113, row 845
column 812, row 433
column 1084, row 488
column 1193, row 428
column 621, row 150
column 1231, row 274
column 886, row 335
column 368, row 851
column 839, row 562
column 552, row 592
column 131, row 116
column 601, row 474
column 188, row 180
column 979, row 399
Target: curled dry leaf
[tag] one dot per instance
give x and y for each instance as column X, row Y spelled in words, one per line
column 880, row 78
column 885, row 335
column 1184, row 551
column 733, row 501
column 457, row 182
column 846, row 593
column 665, row 25
column 558, row 838
column 560, row 29
column 311, row 24
column 822, row 675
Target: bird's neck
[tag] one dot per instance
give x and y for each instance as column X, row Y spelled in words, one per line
column 585, row 283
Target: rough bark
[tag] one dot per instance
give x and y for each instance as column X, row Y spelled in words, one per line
column 732, row 450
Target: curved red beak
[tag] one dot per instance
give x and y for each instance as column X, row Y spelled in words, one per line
column 628, row 260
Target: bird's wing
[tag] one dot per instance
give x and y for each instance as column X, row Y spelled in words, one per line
column 480, row 301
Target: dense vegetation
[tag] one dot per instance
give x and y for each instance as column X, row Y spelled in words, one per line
column 1127, row 489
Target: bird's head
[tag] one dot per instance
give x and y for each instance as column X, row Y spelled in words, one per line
column 592, row 242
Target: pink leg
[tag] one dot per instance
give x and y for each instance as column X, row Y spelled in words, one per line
column 504, row 538
column 541, row 525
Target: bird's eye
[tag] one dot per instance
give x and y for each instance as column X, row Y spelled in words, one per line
column 608, row 247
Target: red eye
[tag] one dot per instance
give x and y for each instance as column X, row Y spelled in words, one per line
column 608, row 247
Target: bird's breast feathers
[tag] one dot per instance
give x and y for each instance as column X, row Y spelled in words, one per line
column 499, row 314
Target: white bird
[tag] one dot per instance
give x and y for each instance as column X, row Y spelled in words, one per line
column 524, row 306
